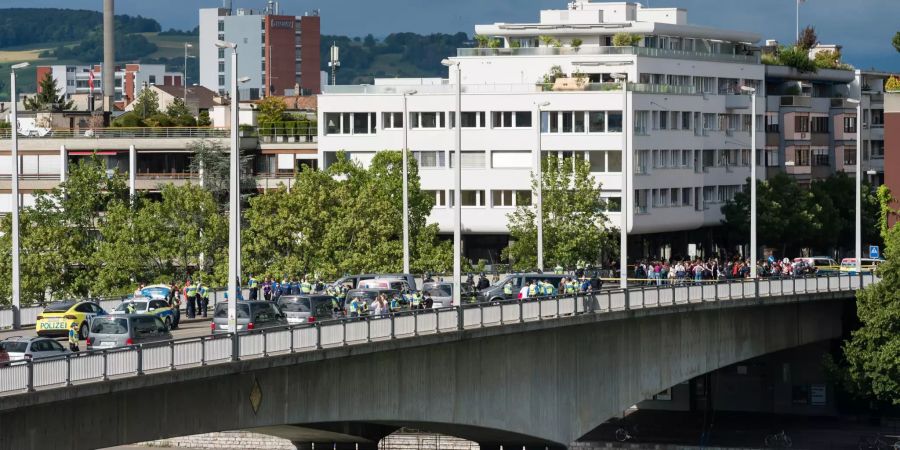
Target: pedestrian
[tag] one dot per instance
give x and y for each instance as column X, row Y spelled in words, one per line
column 378, row 306
column 73, row 338
column 139, row 292
column 267, row 289
column 190, row 295
column 354, row 307
column 483, row 282
column 253, row 284
column 175, row 304
column 203, row 298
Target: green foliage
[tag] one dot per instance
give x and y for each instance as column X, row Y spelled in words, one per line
column 515, row 43
column 174, row 32
column 481, row 40
column 830, row 60
column 896, row 41
column 271, row 109
column 130, row 119
column 549, row 41
column 576, row 43
column 624, row 39
column 796, row 58
column 129, row 47
column 343, row 220
column 770, row 59
column 892, row 84
column 807, row 39
column 214, row 160
column 146, row 104
column 203, row 119
column 873, row 351
column 23, row 26
column 791, row 217
column 4, row 125
column 886, row 211
column 573, row 218
column 180, row 115
column 48, row 98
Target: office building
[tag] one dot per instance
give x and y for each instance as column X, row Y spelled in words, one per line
column 75, row 80
column 279, row 53
column 684, row 122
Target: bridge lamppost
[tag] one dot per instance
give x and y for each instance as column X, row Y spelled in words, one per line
column 858, row 183
column 457, row 193
column 14, row 150
column 405, row 150
column 752, row 92
column 539, row 190
column 623, row 229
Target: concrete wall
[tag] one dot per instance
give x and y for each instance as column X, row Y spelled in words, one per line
column 535, row 384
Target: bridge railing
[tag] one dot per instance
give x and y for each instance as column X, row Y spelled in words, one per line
column 102, row 365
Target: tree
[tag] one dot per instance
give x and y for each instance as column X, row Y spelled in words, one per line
column 146, row 104
column 214, row 161
column 896, row 41
column 624, row 39
column 271, row 109
column 177, row 109
column 575, row 226
column 828, row 59
column 48, row 97
column 203, row 119
column 807, row 39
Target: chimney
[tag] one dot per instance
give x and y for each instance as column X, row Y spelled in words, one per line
column 109, row 55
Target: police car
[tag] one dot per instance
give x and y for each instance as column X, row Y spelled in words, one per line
column 57, row 318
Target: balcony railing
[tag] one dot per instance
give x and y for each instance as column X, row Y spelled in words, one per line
column 120, row 133
column 288, row 135
column 582, row 51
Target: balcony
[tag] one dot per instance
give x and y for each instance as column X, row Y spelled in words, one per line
column 796, row 101
column 737, row 101
column 842, row 103
column 121, row 133
column 585, row 51
column 286, row 134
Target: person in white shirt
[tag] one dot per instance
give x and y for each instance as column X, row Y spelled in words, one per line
column 523, row 293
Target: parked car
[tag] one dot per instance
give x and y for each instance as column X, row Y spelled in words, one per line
column 442, row 292
column 18, row 348
column 250, row 316
column 57, row 318
column 305, row 308
column 156, row 291
column 495, row 293
column 352, row 281
column 821, row 264
column 158, row 308
column 395, row 284
column 129, row 329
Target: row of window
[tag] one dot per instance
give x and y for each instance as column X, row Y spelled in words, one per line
column 551, row 121
column 498, row 198
column 681, row 197
column 644, row 121
column 601, row 161
column 645, row 160
column 705, row 85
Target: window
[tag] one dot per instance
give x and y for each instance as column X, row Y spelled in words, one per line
column 727, row 193
column 221, row 80
column 663, row 120
column 470, row 159
column 511, row 159
column 614, row 121
column 641, row 120
column 850, row 124
column 801, row 124
column 704, row 85
column 440, row 198
column 363, row 123
column 349, row 123
column 221, row 53
column 877, row 117
column 820, row 157
column 509, row 198
column 686, row 158
column 674, row 197
column 523, row 119
column 772, row 123
column 597, row 121
column 614, row 161
column 876, row 149
column 221, row 25
column 850, row 156
column 819, row 124
column 152, row 79
column 801, row 157
column 430, row 159
column 685, row 120
column 221, row 67
column 474, row 119
column 427, row 120
column 511, row 119
column 614, row 204
column 687, row 196
column 392, row 120
column 475, row 199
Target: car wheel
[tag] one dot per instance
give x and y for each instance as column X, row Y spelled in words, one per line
column 168, row 323
column 83, row 331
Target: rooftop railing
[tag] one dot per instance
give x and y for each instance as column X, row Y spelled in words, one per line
column 120, row 133
column 139, row 360
column 583, row 51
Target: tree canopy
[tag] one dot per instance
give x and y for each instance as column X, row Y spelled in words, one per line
column 48, row 97
column 575, row 225
column 23, row 26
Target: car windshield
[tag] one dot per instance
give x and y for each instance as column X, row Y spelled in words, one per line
column 368, row 296
column 109, row 325
column 58, row 307
column 13, row 346
column 441, row 290
column 138, row 306
column 294, row 304
column 155, row 292
column 243, row 311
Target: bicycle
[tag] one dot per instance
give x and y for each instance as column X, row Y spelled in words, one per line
column 623, row 435
column 877, row 443
column 778, row 440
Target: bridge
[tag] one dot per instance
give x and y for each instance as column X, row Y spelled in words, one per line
column 535, row 373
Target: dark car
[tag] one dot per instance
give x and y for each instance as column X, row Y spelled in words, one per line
column 517, row 280
column 306, row 308
column 250, row 316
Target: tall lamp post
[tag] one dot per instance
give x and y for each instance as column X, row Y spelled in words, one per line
column 539, row 171
column 753, row 246
column 623, row 230
column 457, row 193
column 859, row 159
column 406, row 182
column 16, row 294
column 184, row 78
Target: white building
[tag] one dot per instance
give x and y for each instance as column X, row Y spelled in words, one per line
column 130, row 79
column 686, row 124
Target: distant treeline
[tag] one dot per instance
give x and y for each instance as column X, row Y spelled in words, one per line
column 398, row 55
column 129, row 48
column 25, row 26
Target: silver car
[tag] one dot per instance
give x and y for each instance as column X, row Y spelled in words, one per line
column 441, row 293
column 250, row 316
column 20, row 348
column 124, row 330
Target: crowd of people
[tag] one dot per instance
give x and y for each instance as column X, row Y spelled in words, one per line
column 662, row 272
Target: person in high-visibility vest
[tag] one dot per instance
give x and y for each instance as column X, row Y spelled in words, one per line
column 203, row 297
column 73, row 337
column 253, row 284
column 507, row 290
column 570, row 286
column 417, row 300
column 190, row 293
column 354, row 307
column 532, row 290
column 305, row 286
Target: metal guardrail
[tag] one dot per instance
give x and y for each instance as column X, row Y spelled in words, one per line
column 101, row 365
column 121, row 133
column 608, row 50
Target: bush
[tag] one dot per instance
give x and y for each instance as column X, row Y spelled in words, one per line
column 796, row 58
column 892, row 84
column 626, row 39
column 828, row 60
column 576, row 43
column 128, row 120
column 159, row 120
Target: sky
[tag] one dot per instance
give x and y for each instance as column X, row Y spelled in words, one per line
column 863, row 27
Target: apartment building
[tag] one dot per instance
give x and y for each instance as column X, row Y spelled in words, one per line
column 811, row 123
column 279, row 53
column 684, row 122
column 75, row 80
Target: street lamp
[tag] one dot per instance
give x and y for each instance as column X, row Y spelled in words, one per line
column 184, row 78
column 539, row 170
column 406, row 183
column 859, row 150
column 753, row 246
column 16, row 294
column 623, row 231
column 457, row 194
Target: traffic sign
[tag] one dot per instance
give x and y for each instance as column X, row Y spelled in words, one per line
column 874, row 252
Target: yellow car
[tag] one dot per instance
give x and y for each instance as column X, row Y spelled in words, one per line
column 57, row 318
